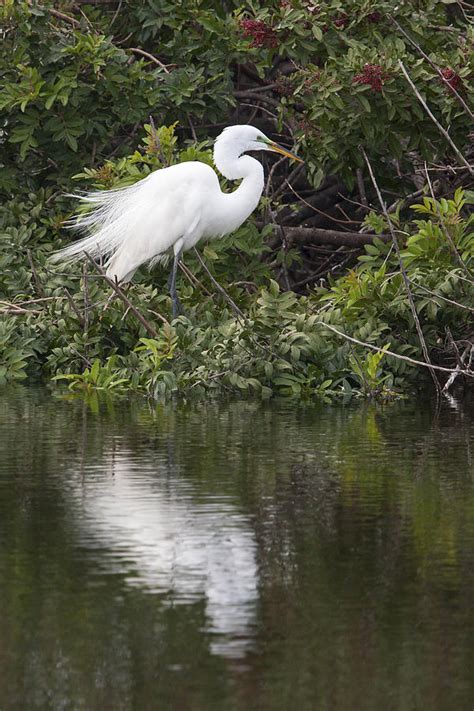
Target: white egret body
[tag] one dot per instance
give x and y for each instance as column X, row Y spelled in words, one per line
column 173, row 208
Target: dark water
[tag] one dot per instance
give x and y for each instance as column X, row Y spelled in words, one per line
column 235, row 556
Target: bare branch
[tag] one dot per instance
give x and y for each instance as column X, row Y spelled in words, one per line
column 73, row 306
column 444, row 298
column 433, row 65
column 403, row 272
column 458, row 370
column 455, row 252
column 219, row 288
column 151, row 57
column 61, row 16
column 435, row 120
column 361, row 187
column 39, row 286
column 468, row 373
column 120, row 293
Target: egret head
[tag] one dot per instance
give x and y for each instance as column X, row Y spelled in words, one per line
column 246, row 138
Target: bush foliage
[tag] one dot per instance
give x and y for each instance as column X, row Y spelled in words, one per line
column 84, row 86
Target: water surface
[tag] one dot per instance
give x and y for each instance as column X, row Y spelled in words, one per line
column 235, row 556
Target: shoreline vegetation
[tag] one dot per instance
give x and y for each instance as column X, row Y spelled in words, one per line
column 354, row 277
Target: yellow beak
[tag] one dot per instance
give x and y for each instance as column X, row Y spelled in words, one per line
column 284, row 152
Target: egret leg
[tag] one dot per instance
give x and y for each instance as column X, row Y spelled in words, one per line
column 177, row 308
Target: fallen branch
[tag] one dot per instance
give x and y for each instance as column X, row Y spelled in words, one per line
column 435, row 120
column 315, row 235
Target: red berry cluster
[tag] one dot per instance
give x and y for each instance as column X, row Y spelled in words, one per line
column 451, row 79
column 308, row 85
column 284, row 85
column 374, row 16
column 305, row 125
column 373, row 75
column 262, row 34
column 342, row 20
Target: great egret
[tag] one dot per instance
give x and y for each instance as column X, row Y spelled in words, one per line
column 173, row 208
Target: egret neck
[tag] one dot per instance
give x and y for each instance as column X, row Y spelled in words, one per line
column 235, row 207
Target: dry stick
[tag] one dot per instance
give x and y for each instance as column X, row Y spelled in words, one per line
column 219, row 288
column 435, row 120
column 469, row 281
column 454, row 346
column 86, row 297
column 192, row 278
column 318, row 211
column 284, row 243
column 254, row 90
column 116, row 13
column 191, row 126
column 457, row 371
column 444, row 298
column 18, row 312
column 455, row 252
column 39, row 286
column 469, row 373
column 291, row 177
column 16, row 309
column 404, row 200
column 403, row 272
column 433, row 65
column 271, row 173
column 62, row 16
column 361, row 187
column 36, row 301
column 157, row 140
column 264, row 110
column 160, row 316
column 147, row 326
column 323, row 271
column 234, row 306
column 151, row 57
column 73, row 306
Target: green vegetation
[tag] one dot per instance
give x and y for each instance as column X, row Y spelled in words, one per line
column 317, row 260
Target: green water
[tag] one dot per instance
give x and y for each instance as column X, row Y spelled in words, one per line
column 235, row 556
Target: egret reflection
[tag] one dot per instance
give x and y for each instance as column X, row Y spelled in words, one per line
column 165, row 537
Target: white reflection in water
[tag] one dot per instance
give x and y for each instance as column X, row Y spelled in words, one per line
column 153, row 529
